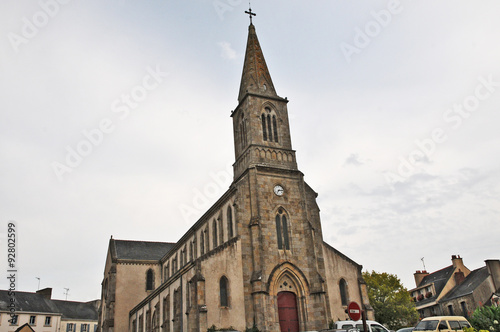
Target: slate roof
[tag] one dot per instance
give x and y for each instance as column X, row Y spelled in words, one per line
column 141, row 250
column 24, row 301
column 36, row 303
column 439, row 278
column 76, row 310
column 473, row 280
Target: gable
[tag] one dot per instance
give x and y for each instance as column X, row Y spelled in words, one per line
column 473, row 281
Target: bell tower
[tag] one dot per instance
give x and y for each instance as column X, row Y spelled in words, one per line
column 260, row 121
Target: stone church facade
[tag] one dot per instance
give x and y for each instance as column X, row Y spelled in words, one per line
column 255, row 258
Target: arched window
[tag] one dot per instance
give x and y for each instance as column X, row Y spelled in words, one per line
column 167, row 271
column 150, row 280
column 221, row 230
column 344, row 295
column 202, row 244
column 282, row 230
column 269, row 126
column 264, row 127
column 275, row 129
column 191, row 251
column 214, row 233
column 270, row 132
column 207, row 241
column 223, row 290
column 229, row 222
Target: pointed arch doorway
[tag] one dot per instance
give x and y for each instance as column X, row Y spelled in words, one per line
column 287, row 312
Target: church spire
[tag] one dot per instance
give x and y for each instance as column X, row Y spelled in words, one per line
column 255, row 77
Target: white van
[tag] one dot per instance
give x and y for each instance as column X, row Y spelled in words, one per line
column 373, row 326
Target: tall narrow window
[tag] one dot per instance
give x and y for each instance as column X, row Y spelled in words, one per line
column 224, row 302
column 229, row 222
column 207, row 241
column 264, row 127
column 214, row 233
column 195, row 253
column 221, row 230
column 343, row 292
column 191, row 251
column 275, row 129
column 269, row 128
column 150, row 280
column 464, row 309
column 202, row 244
column 278, row 231
column 282, row 230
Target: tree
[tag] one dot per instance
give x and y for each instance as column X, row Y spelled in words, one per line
column 391, row 302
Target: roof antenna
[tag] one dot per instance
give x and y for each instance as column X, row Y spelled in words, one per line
column 66, row 293
column 423, row 263
column 249, row 12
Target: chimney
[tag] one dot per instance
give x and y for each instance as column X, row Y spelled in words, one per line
column 46, row 293
column 419, row 276
column 494, row 270
column 456, row 260
column 459, row 277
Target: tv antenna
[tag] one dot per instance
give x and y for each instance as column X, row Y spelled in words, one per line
column 66, row 293
column 423, row 263
column 38, row 282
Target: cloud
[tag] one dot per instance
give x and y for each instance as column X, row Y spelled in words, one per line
column 353, row 159
column 227, row 52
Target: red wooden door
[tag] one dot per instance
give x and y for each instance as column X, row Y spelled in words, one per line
column 287, row 312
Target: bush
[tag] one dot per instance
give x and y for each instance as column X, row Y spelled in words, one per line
column 486, row 318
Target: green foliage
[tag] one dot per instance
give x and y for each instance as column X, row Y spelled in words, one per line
column 252, row 329
column 486, row 318
column 471, row 329
column 214, row 328
column 392, row 303
column 331, row 324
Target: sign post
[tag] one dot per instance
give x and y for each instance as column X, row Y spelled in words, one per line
column 355, row 313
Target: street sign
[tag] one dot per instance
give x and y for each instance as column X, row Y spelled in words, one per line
column 354, row 311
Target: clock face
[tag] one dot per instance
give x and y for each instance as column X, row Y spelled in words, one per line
column 278, row 190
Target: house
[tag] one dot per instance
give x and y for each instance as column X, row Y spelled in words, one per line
column 37, row 311
column 255, row 258
column 455, row 290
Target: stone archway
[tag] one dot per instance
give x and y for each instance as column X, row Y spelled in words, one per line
column 288, row 289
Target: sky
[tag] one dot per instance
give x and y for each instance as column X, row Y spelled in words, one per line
column 115, row 121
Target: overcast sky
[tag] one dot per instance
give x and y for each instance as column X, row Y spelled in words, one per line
column 115, row 121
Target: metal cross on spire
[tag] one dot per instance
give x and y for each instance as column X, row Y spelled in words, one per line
column 249, row 12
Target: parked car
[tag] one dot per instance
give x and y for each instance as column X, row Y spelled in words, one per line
column 373, row 326
column 406, row 329
column 442, row 324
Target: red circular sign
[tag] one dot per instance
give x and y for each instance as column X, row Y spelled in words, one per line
column 354, row 311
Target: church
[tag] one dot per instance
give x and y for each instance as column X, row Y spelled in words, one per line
column 256, row 259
